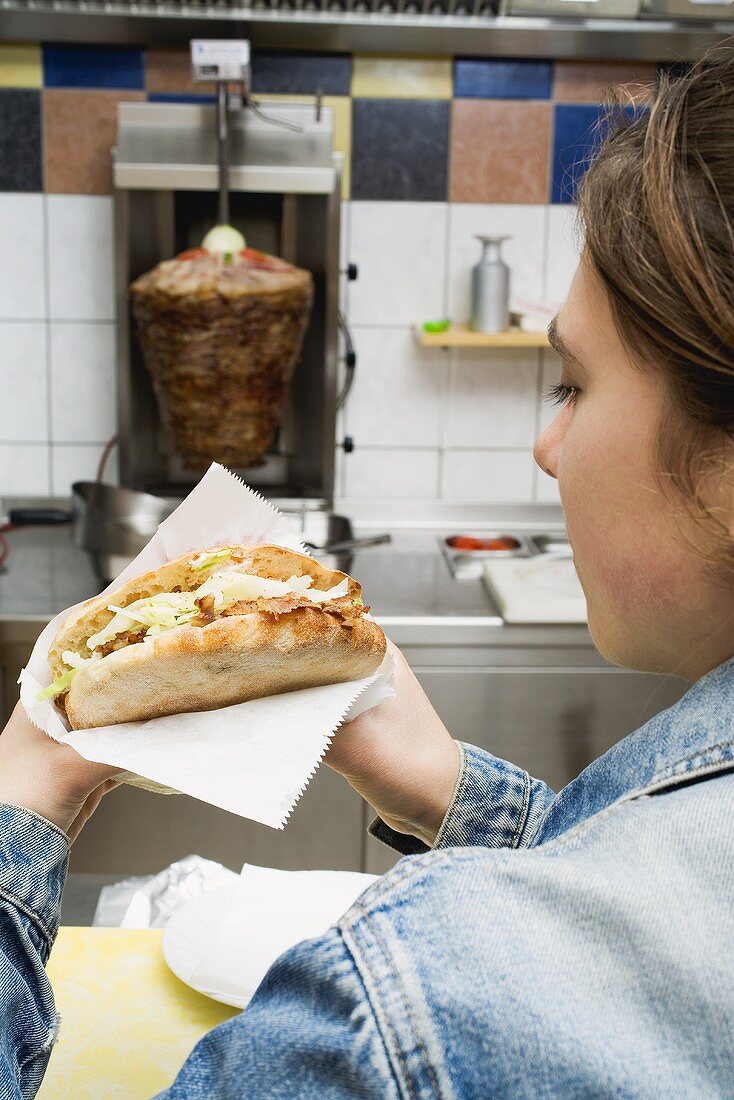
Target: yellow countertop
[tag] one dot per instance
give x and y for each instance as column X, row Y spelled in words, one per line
column 127, row 1024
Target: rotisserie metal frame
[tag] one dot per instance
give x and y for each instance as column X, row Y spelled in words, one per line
column 285, row 189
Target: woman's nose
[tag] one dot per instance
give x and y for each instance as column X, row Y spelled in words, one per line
column 547, row 449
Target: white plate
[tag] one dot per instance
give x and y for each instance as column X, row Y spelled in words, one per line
column 229, row 937
column 186, row 936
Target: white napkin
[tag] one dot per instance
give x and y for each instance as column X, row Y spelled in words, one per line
column 271, row 912
column 254, row 759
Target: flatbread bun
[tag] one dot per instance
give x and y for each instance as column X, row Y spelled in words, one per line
column 229, row 660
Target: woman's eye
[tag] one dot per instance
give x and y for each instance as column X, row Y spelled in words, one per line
column 561, row 395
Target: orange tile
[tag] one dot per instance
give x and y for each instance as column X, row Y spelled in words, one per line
column 169, row 70
column 588, row 81
column 500, row 151
column 79, row 131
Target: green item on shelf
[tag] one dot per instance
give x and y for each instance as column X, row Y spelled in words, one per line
column 436, row 326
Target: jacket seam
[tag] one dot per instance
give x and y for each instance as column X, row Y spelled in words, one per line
column 443, row 829
column 522, row 816
column 45, row 1047
column 30, row 913
column 43, row 820
column 670, row 773
column 380, row 942
column 374, row 991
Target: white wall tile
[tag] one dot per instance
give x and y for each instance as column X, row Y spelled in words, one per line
column 388, row 474
column 22, row 257
column 523, row 253
column 546, row 489
column 72, row 463
column 398, row 390
column 83, row 396
column 487, row 475
column 562, row 252
column 23, row 469
column 400, row 249
column 80, row 257
column 493, row 398
column 24, row 400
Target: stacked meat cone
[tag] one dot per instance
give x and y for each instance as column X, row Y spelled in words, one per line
column 221, row 336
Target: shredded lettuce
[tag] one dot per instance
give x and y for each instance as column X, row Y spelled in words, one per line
column 75, row 660
column 359, row 602
column 168, row 610
column 63, row 682
column 232, row 586
column 211, row 557
column 319, row 596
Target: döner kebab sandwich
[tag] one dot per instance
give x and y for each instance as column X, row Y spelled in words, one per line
column 210, row 629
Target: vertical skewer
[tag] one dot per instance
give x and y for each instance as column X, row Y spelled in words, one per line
column 222, row 153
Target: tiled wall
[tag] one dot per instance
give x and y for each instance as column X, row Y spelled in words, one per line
column 436, row 151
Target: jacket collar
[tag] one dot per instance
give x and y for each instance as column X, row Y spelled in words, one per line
column 692, row 740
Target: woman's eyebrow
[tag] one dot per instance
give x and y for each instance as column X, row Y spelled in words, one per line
column 560, row 346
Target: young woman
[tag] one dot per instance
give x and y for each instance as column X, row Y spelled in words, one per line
column 534, row 944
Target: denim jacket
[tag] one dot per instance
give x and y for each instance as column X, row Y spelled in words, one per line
column 571, row 945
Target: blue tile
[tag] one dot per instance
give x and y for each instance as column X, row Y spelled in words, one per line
column 400, row 149
column 93, row 67
column 179, row 97
column 480, row 78
column 301, row 74
column 576, row 137
column 579, row 132
column 20, row 140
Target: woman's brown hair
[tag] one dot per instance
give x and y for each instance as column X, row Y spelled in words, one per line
column 657, row 209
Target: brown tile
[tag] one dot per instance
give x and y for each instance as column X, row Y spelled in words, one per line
column 168, row 70
column 588, row 81
column 500, row 151
column 79, row 132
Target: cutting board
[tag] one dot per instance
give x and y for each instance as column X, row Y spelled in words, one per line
column 127, row 1024
column 536, row 590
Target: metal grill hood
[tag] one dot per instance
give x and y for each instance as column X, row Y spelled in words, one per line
column 654, row 30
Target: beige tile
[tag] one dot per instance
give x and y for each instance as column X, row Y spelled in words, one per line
column 500, row 151
column 79, row 130
column 393, row 77
column 20, row 65
column 341, row 105
column 588, row 81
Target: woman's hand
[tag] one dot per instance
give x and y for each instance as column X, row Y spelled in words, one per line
column 39, row 774
column 400, row 757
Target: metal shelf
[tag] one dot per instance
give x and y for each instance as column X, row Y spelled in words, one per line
column 438, row 27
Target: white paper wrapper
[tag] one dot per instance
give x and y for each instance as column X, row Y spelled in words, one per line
column 254, row 759
column 271, row 912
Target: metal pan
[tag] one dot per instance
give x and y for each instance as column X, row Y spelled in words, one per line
column 113, row 524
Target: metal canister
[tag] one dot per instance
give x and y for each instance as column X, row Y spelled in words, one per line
column 490, row 288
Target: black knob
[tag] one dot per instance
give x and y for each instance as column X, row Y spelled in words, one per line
column 348, row 444
column 351, row 359
column 352, row 272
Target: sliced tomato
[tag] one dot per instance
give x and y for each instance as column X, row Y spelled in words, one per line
column 193, row 254
column 254, row 256
column 464, row 542
column 504, row 542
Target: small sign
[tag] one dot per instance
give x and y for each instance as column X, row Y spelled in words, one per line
column 228, row 59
